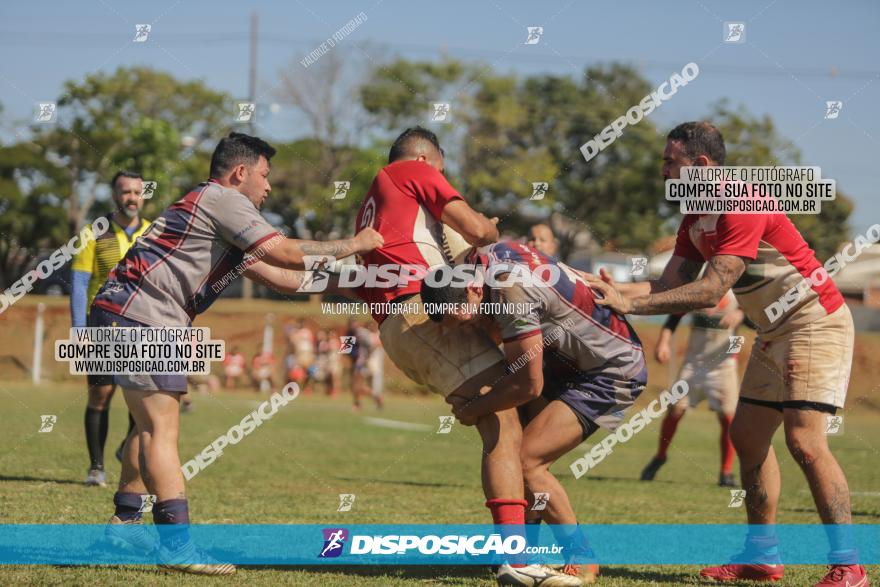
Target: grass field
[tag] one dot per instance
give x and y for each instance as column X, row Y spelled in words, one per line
column 292, row 468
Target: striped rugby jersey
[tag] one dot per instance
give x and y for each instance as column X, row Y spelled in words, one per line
column 190, row 254
column 582, row 340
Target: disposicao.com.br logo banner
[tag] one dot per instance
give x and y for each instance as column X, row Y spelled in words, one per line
column 444, row 544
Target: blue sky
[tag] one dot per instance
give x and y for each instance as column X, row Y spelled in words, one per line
column 797, row 55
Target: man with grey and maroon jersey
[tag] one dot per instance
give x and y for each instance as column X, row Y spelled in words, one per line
column 175, row 271
column 573, row 366
column 798, row 371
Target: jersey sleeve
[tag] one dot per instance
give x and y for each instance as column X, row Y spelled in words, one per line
column 427, row 184
column 683, row 245
column 239, row 222
column 520, row 315
column 740, row 234
column 84, row 260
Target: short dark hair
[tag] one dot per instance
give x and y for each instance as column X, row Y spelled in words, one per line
column 236, row 149
column 124, row 173
column 404, row 144
column 433, row 296
column 699, row 138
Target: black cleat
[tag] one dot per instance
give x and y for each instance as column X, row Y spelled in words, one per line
column 650, row 471
column 727, row 480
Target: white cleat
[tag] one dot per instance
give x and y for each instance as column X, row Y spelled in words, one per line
column 535, row 576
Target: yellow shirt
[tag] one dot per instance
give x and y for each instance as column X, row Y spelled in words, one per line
column 100, row 256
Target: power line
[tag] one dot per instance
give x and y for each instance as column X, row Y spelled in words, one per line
column 68, row 39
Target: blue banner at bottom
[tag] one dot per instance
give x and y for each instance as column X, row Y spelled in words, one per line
column 438, row 544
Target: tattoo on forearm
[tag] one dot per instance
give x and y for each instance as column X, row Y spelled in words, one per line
column 338, row 249
column 722, row 273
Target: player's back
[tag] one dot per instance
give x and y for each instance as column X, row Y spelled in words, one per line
column 405, row 204
column 580, row 335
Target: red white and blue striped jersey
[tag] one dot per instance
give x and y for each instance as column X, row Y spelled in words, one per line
column 189, row 255
column 581, row 338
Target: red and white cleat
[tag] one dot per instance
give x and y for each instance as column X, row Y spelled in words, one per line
column 845, row 576
column 726, row 573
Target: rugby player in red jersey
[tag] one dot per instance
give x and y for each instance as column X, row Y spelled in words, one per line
column 798, row 371
column 413, row 207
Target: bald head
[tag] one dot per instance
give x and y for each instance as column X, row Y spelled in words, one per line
column 417, row 144
column 541, row 237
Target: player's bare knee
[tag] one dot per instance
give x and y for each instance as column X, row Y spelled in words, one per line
column 806, row 445
column 742, row 440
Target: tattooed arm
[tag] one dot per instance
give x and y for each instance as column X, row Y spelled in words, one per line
column 289, row 253
column 288, row 281
column 668, row 296
column 677, row 272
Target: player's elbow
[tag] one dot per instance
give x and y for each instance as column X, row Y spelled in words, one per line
column 529, row 389
column 480, row 233
column 289, row 255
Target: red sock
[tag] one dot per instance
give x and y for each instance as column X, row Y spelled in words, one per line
column 667, row 431
column 727, row 451
column 508, row 512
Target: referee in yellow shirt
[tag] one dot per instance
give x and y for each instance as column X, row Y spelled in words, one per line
column 90, row 270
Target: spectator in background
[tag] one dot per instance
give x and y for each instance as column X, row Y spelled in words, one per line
column 263, row 370
column 295, row 372
column 233, row 368
column 376, row 365
column 542, row 238
column 357, row 346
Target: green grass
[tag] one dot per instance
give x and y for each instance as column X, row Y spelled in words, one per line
column 291, row 470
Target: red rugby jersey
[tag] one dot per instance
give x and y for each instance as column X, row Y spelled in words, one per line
column 780, row 259
column 404, row 204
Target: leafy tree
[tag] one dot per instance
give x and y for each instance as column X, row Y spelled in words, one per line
column 755, row 141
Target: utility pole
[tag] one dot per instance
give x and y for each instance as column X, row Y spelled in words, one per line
column 247, row 289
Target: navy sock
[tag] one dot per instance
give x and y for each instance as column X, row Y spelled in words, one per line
column 173, row 517
column 94, row 438
column 762, row 546
column 843, row 549
column 128, row 506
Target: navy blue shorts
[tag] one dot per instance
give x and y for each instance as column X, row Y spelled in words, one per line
column 598, row 401
column 147, row 382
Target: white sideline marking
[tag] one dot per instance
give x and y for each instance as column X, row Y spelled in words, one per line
column 397, row 424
